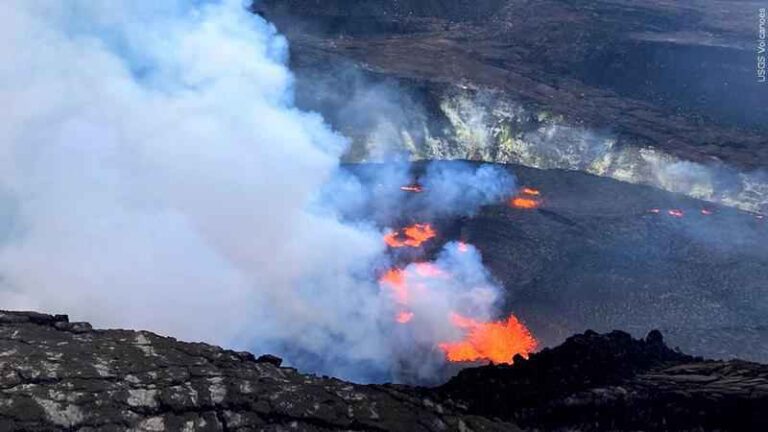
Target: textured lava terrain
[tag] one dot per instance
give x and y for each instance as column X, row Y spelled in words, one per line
column 56, row 375
column 596, row 255
column 678, row 77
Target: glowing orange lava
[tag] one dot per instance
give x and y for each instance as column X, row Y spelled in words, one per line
column 413, row 188
column 676, row 213
column 404, row 317
column 463, row 247
column 498, row 342
column 530, row 191
column 524, row 203
column 394, row 279
column 527, row 198
column 412, row 236
column 429, row 270
column 707, row 212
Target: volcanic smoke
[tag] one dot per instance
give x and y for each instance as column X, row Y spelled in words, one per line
column 174, row 187
column 412, row 236
column 498, row 342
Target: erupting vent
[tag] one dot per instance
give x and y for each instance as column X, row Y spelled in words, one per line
column 412, row 236
column 499, row 341
column 527, row 198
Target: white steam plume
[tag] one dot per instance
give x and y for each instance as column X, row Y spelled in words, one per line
column 162, row 178
column 450, row 188
column 158, row 176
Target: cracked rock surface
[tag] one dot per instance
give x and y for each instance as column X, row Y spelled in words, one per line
column 56, row 375
column 597, row 382
column 678, row 76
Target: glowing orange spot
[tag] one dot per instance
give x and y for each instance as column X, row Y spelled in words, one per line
column 496, row 341
column 404, row 317
column 412, row 236
column 429, row 270
column 392, row 241
column 394, row 279
column 524, row 203
column 707, row 212
column 676, row 213
column 530, row 191
column 463, row 247
column 413, row 188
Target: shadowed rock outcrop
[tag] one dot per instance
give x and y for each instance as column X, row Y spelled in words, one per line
column 596, row 256
column 56, row 375
column 614, row 382
column 679, row 77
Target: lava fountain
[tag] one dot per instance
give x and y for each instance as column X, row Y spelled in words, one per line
column 498, row 342
column 413, row 236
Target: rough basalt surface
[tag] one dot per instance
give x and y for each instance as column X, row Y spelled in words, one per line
column 614, row 382
column 56, row 375
column 595, row 256
column 678, row 77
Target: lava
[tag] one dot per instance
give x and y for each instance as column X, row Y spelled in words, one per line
column 530, row 191
column 463, row 247
column 404, row 317
column 527, row 198
column 524, row 203
column 676, row 213
column 412, row 236
column 707, row 212
column 498, row 342
column 429, row 270
column 394, row 279
column 413, row 188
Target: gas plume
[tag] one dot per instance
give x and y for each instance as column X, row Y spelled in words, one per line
column 155, row 174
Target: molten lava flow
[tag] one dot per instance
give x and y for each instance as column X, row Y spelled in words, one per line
column 413, row 188
column 463, row 247
column 528, row 198
column 498, row 342
column 394, row 279
column 707, row 212
column 404, row 317
column 676, row 213
column 429, row 270
column 524, row 203
column 412, row 236
column 530, row 191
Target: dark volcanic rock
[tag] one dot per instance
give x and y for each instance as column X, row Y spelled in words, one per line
column 595, row 257
column 614, row 382
column 56, row 375
column 678, row 77
column 60, row 376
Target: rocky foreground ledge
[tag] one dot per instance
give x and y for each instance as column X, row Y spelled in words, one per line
column 57, row 375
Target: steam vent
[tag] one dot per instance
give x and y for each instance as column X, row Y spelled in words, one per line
column 377, row 215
